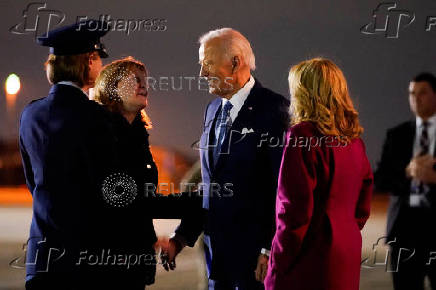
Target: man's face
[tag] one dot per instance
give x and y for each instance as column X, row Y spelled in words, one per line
column 95, row 66
column 216, row 68
column 422, row 99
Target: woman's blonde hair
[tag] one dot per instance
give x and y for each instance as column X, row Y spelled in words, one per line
column 319, row 93
column 106, row 84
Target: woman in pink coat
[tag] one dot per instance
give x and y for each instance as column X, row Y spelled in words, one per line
column 325, row 186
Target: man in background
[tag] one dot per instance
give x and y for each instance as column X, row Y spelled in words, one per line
column 406, row 171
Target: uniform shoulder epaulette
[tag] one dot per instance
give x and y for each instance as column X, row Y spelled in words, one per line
column 33, row 101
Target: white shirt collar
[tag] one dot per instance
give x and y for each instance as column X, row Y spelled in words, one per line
column 431, row 121
column 238, row 99
column 69, row 83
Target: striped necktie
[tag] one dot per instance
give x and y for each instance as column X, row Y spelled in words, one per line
column 423, row 150
column 222, row 127
column 423, row 141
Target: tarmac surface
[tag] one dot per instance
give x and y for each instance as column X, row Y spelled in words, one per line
column 190, row 271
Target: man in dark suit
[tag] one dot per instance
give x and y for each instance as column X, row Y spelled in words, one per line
column 67, row 150
column 240, row 151
column 406, row 172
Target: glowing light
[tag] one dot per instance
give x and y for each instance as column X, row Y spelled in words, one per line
column 13, row 84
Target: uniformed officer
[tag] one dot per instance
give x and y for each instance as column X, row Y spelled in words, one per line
column 65, row 143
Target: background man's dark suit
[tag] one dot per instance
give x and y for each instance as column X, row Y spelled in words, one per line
column 410, row 228
column 240, row 222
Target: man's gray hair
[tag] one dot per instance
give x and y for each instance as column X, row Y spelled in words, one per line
column 235, row 44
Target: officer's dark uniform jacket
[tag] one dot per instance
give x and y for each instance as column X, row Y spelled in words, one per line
column 73, row 153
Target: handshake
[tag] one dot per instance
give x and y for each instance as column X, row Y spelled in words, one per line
column 168, row 248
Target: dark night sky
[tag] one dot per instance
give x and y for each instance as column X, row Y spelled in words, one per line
column 282, row 33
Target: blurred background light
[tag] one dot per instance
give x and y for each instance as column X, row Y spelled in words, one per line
column 13, row 84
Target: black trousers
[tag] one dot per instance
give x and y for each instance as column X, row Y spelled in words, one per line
column 409, row 271
column 246, row 284
column 413, row 254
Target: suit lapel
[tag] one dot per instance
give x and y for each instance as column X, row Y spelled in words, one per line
column 411, row 135
column 207, row 146
column 243, row 120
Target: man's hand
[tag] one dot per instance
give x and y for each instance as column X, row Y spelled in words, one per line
column 414, row 168
column 421, row 168
column 169, row 253
column 262, row 267
column 162, row 243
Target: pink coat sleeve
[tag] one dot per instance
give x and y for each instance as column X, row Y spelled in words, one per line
column 294, row 204
column 364, row 203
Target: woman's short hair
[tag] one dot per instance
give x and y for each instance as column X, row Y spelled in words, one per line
column 74, row 68
column 106, row 84
column 319, row 93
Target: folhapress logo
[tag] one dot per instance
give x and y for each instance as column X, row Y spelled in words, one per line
column 388, row 20
column 38, row 20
